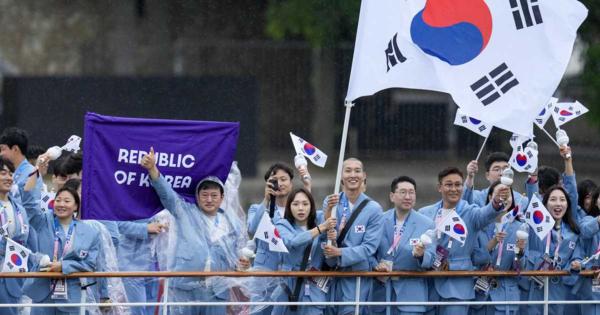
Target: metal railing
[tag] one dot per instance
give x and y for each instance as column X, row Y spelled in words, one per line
column 357, row 304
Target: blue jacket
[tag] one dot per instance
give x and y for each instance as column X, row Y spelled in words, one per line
column 21, row 236
column 362, row 239
column 265, row 259
column 194, row 247
column 296, row 240
column 134, row 246
column 405, row 289
column 508, row 287
column 479, row 197
column 476, row 218
column 20, row 177
column 82, row 256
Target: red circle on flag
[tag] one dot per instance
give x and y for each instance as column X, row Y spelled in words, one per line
column 521, row 159
column 459, row 229
column 16, row 259
column 538, row 217
column 276, row 233
column 309, row 149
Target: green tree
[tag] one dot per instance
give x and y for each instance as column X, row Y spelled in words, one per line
column 323, row 23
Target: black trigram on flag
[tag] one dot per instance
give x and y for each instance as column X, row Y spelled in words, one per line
column 527, row 10
column 490, row 87
column 393, row 55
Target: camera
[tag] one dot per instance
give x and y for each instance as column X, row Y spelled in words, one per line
column 275, row 184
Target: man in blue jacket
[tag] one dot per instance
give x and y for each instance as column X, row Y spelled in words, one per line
column 358, row 245
column 401, row 250
column 457, row 256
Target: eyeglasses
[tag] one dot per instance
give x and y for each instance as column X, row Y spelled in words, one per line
column 403, row 193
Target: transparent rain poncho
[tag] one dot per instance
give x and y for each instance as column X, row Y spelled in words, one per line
column 197, row 242
column 111, row 288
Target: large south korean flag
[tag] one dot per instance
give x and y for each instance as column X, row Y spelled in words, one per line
column 501, row 60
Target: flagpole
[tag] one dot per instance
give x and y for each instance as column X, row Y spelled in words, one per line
column 549, row 135
column 481, row 149
column 338, row 176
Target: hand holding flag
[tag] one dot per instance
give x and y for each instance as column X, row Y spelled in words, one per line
column 267, row 232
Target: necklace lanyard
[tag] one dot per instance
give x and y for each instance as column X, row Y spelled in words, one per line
column 67, row 245
column 398, row 231
column 559, row 239
column 345, row 206
column 17, row 213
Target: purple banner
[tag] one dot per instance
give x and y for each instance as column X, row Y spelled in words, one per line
column 116, row 187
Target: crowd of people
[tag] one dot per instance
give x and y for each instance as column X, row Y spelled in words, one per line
column 212, row 234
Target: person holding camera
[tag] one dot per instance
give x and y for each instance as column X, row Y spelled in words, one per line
column 278, row 185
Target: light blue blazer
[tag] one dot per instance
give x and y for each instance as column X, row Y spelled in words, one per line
column 82, row 256
column 296, row 240
column 404, row 289
column 476, row 218
column 265, row 259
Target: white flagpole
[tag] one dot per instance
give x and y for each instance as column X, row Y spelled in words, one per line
column 481, row 149
column 338, row 176
column 549, row 135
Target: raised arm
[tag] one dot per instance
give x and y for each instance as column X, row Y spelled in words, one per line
column 168, row 197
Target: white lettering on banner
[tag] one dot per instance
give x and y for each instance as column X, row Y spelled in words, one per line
column 162, row 159
column 121, row 177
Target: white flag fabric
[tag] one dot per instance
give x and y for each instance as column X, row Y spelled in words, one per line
column 473, row 124
column 538, row 217
column 498, row 59
column 316, row 156
column 454, row 226
column 73, row 144
column 516, row 141
column 15, row 258
column 267, row 232
column 524, row 160
column 545, row 113
column 562, row 113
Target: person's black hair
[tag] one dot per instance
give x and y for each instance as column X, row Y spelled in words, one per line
column 57, row 167
column 74, row 193
column 568, row 217
column 73, row 163
column 5, row 162
column 547, row 177
column 311, row 222
column 448, row 171
column 210, row 185
column 402, row 179
column 584, row 188
column 34, row 151
column 279, row 166
column 12, row 136
column 74, row 183
column 594, row 210
column 495, row 157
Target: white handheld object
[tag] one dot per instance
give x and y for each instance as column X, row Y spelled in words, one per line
column 45, row 261
column 301, row 163
column 427, row 237
column 532, row 145
column 522, row 234
column 507, row 177
column 54, row 152
column 562, row 139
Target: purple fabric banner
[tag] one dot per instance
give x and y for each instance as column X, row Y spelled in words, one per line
column 116, row 187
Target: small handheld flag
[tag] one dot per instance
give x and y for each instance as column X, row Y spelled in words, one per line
column 316, row 156
column 562, row 113
column 524, row 160
column 15, row 258
column 473, row 124
column 267, row 232
column 454, row 226
column 538, row 217
column 545, row 113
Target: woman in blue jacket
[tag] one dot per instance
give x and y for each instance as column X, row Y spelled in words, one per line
column 71, row 244
column 303, row 231
column 565, row 251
